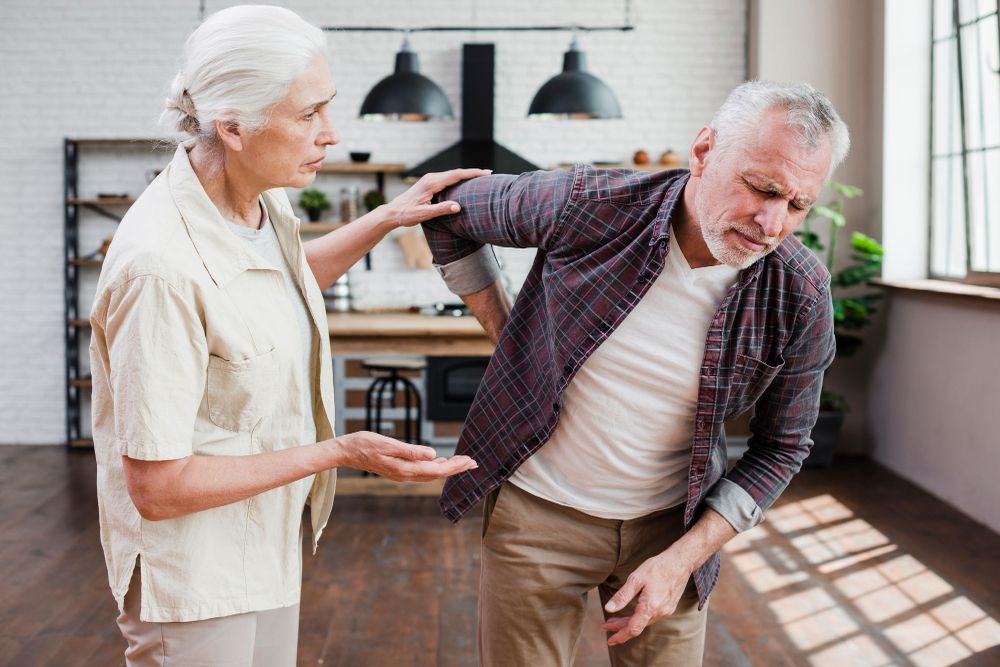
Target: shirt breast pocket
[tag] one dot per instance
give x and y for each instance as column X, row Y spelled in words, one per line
column 750, row 378
column 238, row 391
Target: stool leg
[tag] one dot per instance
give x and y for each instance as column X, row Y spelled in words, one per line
column 370, row 405
column 406, row 413
column 413, row 426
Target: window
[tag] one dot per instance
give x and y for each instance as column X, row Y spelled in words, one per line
column 965, row 141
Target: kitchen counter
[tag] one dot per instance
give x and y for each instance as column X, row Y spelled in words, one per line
column 407, row 333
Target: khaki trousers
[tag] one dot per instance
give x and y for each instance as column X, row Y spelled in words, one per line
column 255, row 639
column 540, row 560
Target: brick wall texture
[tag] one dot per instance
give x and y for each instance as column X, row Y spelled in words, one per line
column 100, row 69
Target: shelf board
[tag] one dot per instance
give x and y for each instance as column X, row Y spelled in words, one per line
column 122, row 140
column 82, row 443
column 103, row 201
column 81, row 382
column 79, row 261
column 81, row 324
column 319, row 227
column 364, row 167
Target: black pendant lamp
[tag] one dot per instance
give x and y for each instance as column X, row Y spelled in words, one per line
column 575, row 93
column 406, row 94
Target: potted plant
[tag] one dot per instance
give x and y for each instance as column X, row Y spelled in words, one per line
column 373, row 199
column 852, row 309
column 313, row 202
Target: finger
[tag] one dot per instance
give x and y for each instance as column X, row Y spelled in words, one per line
column 624, row 595
column 615, row 624
column 439, row 181
column 640, row 619
column 425, row 471
column 428, row 211
column 407, row 451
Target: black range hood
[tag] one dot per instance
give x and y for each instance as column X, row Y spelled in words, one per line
column 476, row 148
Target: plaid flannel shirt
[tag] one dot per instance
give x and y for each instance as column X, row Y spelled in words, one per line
column 602, row 236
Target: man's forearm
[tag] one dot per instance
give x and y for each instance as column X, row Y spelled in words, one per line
column 704, row 538
column 491, row 306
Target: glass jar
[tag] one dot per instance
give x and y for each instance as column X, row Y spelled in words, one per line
column 349, row 196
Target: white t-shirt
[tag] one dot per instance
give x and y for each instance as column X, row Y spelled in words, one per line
column 623, row 444
column 264, row 242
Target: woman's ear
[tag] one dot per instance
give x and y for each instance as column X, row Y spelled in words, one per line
column 230, row 133
column 703, row 144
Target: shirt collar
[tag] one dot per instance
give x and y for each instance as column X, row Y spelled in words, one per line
column 224, row 256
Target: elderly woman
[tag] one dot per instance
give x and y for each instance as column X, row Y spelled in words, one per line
column 213, row 396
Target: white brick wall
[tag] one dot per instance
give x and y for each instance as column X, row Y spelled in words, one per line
column 99, row 68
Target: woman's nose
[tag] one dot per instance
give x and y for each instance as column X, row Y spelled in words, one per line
column 328, row 136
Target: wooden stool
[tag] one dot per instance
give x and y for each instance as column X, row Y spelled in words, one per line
column 388, row 378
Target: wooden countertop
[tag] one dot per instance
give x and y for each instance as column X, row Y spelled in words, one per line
column 407, row 333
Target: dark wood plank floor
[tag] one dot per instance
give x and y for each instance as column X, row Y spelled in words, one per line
column 854, row 567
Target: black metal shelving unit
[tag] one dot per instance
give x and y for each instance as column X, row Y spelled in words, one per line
column 76, row 324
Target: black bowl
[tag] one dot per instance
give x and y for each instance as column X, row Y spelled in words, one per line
column 359, row 157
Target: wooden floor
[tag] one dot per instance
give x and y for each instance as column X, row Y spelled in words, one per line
column 853, row 568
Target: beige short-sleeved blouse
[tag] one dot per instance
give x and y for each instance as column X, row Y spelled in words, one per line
column 196, row 350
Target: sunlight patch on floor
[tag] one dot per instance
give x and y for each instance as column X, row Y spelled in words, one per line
column 914, row 611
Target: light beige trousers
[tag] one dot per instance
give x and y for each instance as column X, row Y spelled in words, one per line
column 540, row 560
column 255, row 639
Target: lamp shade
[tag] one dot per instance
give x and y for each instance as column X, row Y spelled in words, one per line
column 406, row 94
column 575, row 93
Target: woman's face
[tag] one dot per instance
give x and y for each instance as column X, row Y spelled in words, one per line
column 291, row 148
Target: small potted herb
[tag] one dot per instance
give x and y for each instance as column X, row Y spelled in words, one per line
column 373, row 199
column 313, row 202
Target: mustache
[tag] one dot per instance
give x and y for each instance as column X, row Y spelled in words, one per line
column 754, row 234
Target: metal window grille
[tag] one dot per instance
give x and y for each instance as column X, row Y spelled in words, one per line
column 965, row 141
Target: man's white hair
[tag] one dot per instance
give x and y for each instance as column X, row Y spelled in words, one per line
column 810, row 114
column 236, row 66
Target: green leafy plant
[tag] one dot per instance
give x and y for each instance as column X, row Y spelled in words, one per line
column 313, row 202
column 373, row 199
column 852, row 309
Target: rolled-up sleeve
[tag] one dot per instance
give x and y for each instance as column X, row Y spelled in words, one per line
column 735, row 505
column 157, row 358
column 471, row 273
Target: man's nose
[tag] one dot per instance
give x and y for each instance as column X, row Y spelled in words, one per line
column 771, row 216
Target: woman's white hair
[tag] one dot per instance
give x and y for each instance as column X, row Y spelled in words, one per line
column 236, row 66
column 810, row 114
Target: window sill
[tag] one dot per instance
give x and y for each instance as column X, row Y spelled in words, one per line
column 942, row 288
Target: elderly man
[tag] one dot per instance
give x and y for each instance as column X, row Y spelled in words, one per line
column 659, row 305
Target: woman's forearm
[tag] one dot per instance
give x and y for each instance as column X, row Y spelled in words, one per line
column 169, row 489
column 331, row 255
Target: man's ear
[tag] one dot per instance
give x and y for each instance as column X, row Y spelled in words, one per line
column 229, row 132
column 703, row 144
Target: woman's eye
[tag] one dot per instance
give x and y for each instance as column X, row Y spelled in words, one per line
column 309, row 116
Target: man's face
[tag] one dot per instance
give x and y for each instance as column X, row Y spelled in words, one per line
column 754, row 194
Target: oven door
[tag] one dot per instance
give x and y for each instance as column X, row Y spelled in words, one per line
column 452, row 383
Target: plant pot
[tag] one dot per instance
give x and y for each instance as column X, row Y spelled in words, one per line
column 826, row 436
column 315, row 214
